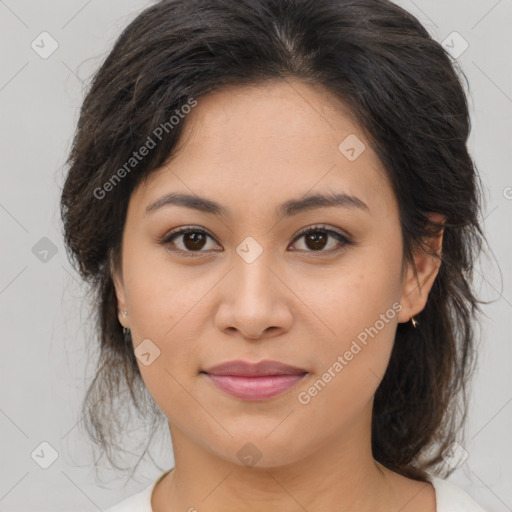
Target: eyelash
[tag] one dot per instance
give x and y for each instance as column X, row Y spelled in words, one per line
column 306, row 231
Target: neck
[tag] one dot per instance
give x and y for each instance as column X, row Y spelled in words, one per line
column 341, row 475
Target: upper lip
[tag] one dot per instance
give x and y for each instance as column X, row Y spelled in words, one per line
column 245, row 369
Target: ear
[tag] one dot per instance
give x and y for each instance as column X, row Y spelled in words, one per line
column 117, row 279
column 420, row 276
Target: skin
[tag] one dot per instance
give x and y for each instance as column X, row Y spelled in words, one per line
column 250, row 149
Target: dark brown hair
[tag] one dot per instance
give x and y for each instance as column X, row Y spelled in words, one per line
column 405, row 92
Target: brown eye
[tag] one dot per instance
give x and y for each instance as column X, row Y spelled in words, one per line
column 192, row 240
column 316, row 239
column 189, row 240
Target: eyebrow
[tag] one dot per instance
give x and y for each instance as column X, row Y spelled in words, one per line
column 286, row 209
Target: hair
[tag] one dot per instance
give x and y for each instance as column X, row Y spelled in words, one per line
column 406, row 94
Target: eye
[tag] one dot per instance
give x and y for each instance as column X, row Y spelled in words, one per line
column 192, row 239
column 316, row 239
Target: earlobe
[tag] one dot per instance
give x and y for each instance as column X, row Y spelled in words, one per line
column 421, row 274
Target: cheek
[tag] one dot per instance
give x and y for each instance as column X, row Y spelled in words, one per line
column 358, row 313
column 352, row 297
column 163, row 304
column 160, row 294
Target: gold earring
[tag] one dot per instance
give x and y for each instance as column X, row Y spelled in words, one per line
column 414, row 322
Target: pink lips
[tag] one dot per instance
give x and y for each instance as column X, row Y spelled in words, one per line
column 259, row 381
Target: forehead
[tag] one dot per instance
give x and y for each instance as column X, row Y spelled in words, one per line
column 261, row 144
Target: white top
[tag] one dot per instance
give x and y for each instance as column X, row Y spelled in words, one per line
column 449, row 497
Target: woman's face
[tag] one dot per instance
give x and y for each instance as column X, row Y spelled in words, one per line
column 253, row 288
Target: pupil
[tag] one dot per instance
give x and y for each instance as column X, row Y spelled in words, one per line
column 193, row 240
column 318, row 239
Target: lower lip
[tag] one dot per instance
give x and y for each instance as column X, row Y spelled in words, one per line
column 255, row 388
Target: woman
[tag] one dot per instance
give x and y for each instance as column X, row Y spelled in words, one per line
column 274, row 203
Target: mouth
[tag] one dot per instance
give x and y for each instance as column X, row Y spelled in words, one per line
column 254, row 382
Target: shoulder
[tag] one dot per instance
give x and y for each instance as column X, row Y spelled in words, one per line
column 451, row 498
column 140, row 502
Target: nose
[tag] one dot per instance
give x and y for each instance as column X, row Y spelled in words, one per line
column 255, row 300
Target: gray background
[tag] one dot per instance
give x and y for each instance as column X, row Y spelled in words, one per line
column 43, row 314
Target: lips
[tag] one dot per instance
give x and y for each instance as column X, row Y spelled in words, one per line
column 253, row 382
column 263, row 368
